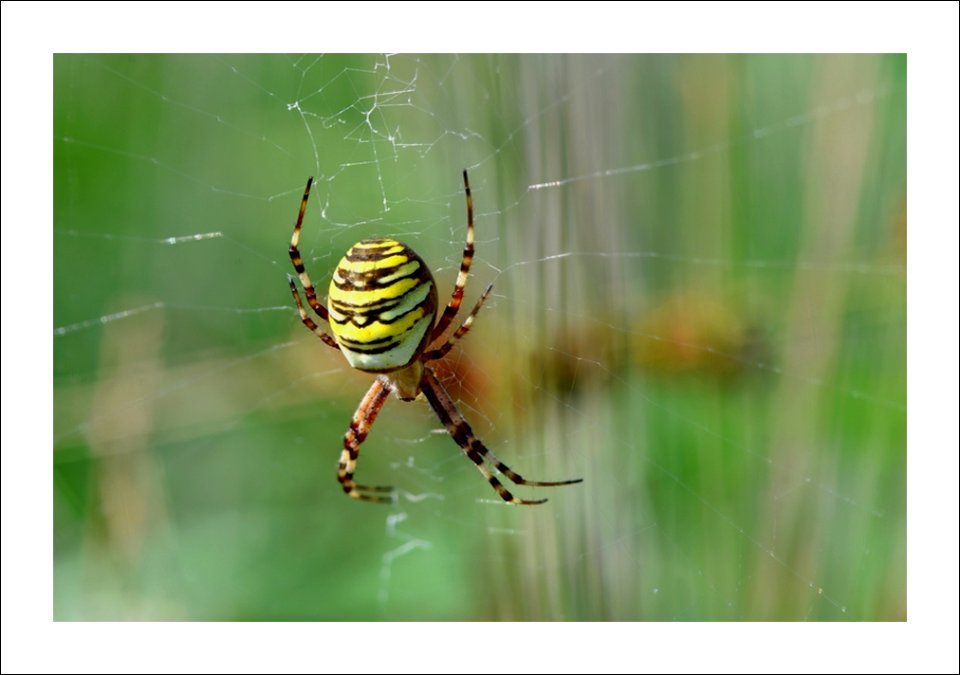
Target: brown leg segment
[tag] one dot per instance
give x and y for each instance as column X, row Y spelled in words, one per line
column 307, row 321
column 454, row 305
column 298, row 261
column 442, row 350
column 360, row 425
column 458, row 427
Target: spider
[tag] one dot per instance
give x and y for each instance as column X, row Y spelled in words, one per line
column 382, row 304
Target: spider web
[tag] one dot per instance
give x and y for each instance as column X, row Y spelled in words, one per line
column 698, row 307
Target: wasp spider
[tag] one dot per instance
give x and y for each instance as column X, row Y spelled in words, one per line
column 382, row 303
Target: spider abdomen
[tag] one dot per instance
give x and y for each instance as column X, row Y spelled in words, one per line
column 382, row 302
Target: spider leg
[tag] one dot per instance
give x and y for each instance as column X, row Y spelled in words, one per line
column 298, row 261
column 454, row 305
column 461, row 432
column 360, row 425
column 307, row 321
column 442, row 350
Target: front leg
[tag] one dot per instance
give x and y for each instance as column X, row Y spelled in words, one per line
column 360, row 425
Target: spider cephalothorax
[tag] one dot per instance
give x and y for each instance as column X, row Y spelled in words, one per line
column 382, row 304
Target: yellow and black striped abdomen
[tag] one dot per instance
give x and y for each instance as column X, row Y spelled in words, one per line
column 382, row 304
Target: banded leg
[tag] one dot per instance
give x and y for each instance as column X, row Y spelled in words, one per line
column 298, row 261
column 307, row 321
column 458, row 427
column 360, row 425
column 442, row 350
column 454, row 305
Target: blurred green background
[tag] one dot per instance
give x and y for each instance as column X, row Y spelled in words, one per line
column 699, row 307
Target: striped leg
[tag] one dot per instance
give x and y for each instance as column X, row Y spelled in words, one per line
column 363, row 419
column 458, row 427
column 298, row 261
column 454, row 305
column 307, row 321
column 442, row 350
